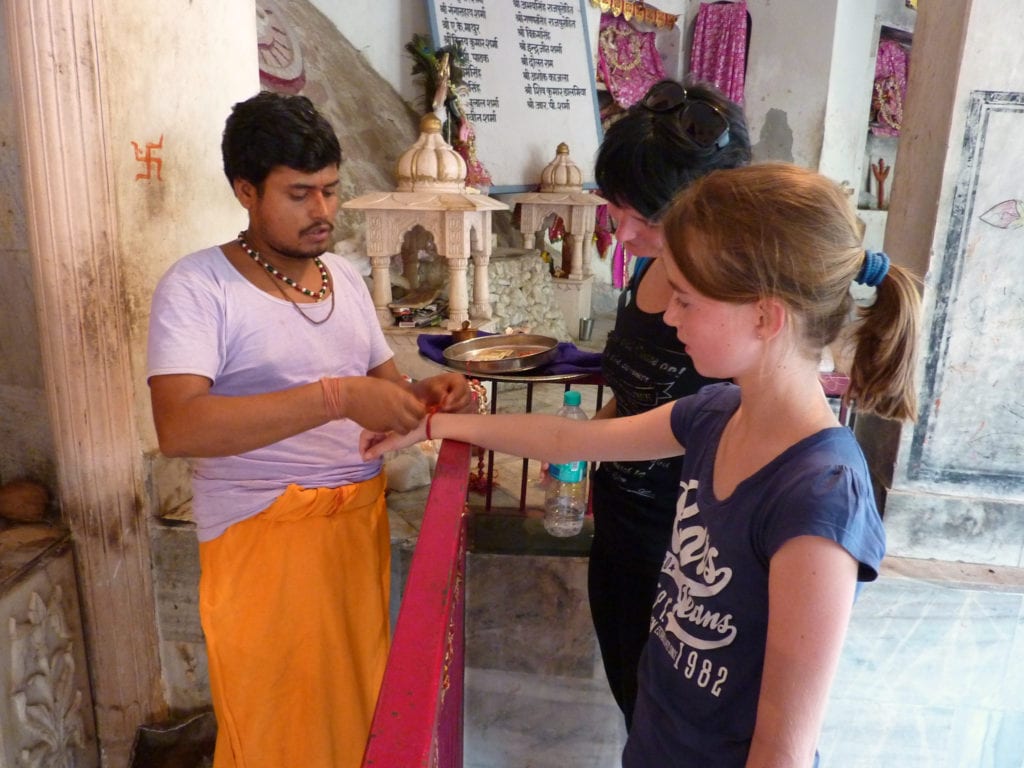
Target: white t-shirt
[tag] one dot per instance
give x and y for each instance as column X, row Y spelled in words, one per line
column 209, row 320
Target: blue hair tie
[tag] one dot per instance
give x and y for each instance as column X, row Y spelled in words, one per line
column 874, row 270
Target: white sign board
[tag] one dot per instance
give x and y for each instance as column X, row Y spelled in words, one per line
column 529, row 76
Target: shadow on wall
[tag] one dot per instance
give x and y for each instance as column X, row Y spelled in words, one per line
column 187, row 744
column 775, row 142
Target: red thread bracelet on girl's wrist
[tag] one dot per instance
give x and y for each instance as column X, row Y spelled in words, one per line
column 430, row 415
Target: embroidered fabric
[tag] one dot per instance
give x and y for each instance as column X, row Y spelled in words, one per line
column 890, row 88
column 627, row 60
column 719, row 51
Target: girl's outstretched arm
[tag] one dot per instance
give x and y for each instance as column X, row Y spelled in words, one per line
column 544, row 436
column 811, row 588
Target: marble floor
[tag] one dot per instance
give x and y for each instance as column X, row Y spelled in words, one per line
column 931, row 676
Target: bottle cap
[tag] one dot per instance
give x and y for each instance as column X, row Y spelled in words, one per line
column 572, row 397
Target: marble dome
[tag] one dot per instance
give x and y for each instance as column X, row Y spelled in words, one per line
column 431, row 164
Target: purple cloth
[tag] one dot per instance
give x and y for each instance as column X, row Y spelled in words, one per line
column 568, row 357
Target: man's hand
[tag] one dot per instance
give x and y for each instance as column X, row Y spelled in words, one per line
column 449, row 392
column 376, row 404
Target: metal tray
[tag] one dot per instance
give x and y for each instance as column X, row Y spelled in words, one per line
column 502, row 354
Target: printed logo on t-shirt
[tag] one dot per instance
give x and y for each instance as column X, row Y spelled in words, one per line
column 682, row 620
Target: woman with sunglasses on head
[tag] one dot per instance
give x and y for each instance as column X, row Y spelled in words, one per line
column 675, row 135
column 775, row 521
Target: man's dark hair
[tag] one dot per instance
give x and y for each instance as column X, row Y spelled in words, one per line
column 272, row 129
column 644, row 159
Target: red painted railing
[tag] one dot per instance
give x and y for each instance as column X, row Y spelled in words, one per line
column 418, row 722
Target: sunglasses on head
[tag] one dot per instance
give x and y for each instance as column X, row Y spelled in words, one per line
column 704, row 124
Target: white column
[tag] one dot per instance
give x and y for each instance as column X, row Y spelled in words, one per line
column 456, row 249
column 588, row 251
column 481, row 307
column 576, row 269
column 70, row 215
column 380, row 266
column 458, row 295
column 528, row 224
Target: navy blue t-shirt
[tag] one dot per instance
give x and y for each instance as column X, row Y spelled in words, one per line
column 700, row 673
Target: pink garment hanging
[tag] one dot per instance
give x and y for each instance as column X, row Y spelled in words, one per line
column 627, row 60
column 719, row 52
column 621, row 259
column 605, row 240
column 890, row 88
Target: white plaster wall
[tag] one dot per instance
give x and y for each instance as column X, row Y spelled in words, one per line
column 379, row 29
column 809, row 76
column 849, row 92
column 180, row 97
column 991, row 27
column 168, row 76
column 26, row 444
column 956, row 492
column 788, row 78
column 894, row 13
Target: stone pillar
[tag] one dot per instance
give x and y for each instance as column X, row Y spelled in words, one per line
column 575, row 243
column 458, row 299
column 481, row 306
column 480, row 309
column 380, row 266
column 456, row 249
column 70, row 217
column 956, row 480
column 581, row 224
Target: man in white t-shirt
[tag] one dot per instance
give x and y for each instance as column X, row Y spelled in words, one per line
column 265, row 360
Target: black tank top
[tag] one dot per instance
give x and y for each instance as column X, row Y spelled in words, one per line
column 645, row 365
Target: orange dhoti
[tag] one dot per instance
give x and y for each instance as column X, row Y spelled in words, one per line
column 294, row 606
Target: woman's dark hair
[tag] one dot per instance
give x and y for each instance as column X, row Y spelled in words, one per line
column 272, row 129
column 644, row 159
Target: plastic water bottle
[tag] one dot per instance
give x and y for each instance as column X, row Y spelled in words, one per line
column 566, row 499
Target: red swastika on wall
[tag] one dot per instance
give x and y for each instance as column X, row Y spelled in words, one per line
column 149, row 157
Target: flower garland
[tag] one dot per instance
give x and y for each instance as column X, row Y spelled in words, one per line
column 639, row 10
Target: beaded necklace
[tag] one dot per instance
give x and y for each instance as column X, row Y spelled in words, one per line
column 324, row 278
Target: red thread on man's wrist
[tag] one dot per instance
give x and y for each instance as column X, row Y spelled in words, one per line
column 333, row 402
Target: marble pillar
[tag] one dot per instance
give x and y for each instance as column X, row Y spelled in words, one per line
column 70, row 214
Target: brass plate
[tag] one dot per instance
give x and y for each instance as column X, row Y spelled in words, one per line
column 502, row 354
